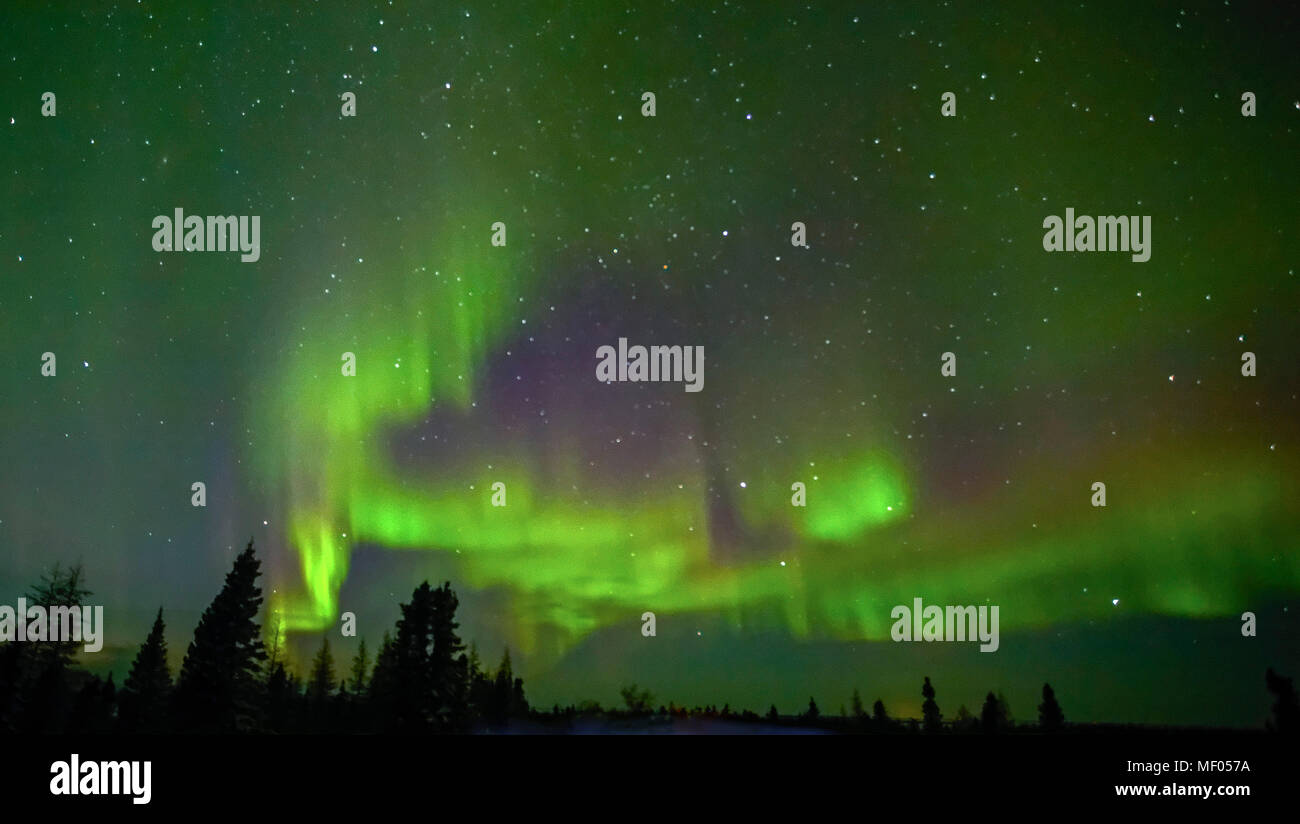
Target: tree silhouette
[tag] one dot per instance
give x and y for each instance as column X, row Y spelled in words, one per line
column 503, row 685
column 448, row 664
column 932, row 718
column 1286, row 712
column 1050, row 717
column 991, row 714
column 382, row 690
column 320, row 689
column 812, row 713
column 60, row 587
column 235, row 676
column 859, row 712
column 320, row 684
column 481, row 686
column 143, row 699
column 963, row 721
column 772, row 714
column 357, row 673
column 1005, row 720
column 879, row 717
column 519, row 703
column 43, row 693
column 420, row 678
column 217, row 690
column 281, row 697
column 638, row 701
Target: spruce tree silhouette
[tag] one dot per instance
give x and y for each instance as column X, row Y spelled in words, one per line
column 143, row 700
column 60, row 587
column 812, row 713
column 480, row 685
column 1286, row 711
column 1050, row 717
column 391, row 692
column 1006, row 722
column 45, row 693
column 991, row 714
column 932, row 718
column 357, row 674
column 320, row 690
column 963, row 721
column 859, row 712
column 218, row 687
column 772, row 714
column 108, row 703
column 879, row 718
column 281, row 699
column 420, row 679
column 448, row 664
column 518, row 701
column 381, row 694
column 503, row 690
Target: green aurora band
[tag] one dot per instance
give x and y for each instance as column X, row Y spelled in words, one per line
column 578, row 559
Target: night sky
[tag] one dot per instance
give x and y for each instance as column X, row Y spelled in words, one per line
column 476, row 363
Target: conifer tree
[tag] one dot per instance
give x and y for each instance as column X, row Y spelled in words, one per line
column 360, row 664
column 518, row 702
column 142, row 702
column 402, row 681
column 320, row 684
column 420, row 679
column 60, row 587
column 991, row 714
column 502, row 688
column 218, row 687
column 320, row 690
column 1005, row 720
column 43, row 695
column 878, row 715
column 448, row 664
column 859, row 712
column 381, row 691
column 963, row 721
column 1050, row 717
column 281, row 697
column 480, row 685
column 812, row 713
column 932, row 719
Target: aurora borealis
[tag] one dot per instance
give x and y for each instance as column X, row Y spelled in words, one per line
column 475, row 364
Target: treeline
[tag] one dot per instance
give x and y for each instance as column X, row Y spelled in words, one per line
column 423, row 679
column 994, row 717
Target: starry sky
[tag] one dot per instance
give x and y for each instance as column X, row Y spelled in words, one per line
column 475, row 363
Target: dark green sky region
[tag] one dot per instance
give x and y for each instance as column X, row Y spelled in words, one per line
column 475, row 363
